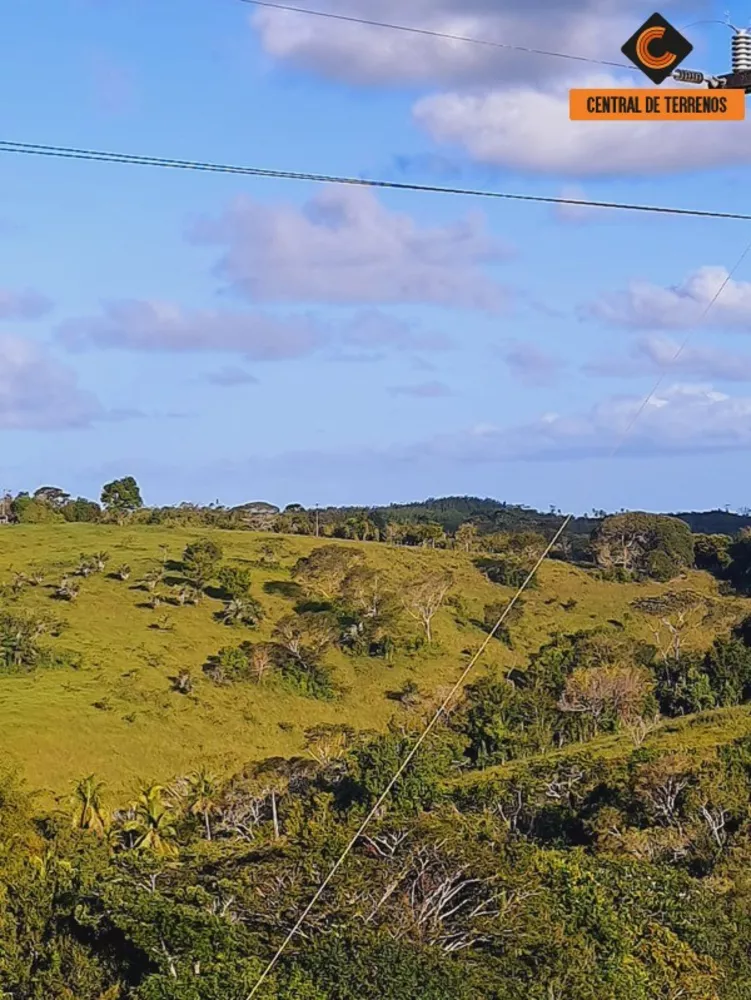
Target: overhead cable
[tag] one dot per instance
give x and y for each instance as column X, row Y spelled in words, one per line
column 131, row 159
column 431, row 33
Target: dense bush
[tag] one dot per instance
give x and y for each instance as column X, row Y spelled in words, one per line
column 644, row 545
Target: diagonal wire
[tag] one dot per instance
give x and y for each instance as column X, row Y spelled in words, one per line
column 431, row 33
column 462, row 678
column 132, row 159
column 407, row 761
column 666, row 367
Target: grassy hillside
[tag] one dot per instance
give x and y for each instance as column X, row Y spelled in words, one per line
column 119, row 716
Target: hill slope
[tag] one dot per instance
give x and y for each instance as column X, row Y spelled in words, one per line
column 118, row 715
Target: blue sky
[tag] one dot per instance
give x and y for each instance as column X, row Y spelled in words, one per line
column 230, row 338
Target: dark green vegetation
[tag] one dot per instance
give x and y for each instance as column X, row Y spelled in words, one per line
column 213, row 712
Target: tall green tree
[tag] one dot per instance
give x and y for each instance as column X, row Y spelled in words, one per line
column 122, row 497
column 201, row 560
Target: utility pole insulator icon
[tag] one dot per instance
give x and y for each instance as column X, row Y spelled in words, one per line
column 739, row 77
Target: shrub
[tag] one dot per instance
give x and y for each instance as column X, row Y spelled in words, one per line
column 200, row 561
column 235, row 581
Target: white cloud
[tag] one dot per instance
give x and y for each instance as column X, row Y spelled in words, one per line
column 38, row 393
column 26, row 304
column 527, row 127
column 531, row 365
column 162, row 326
column 679, row 307
column 159, row 326
column 345, row 247
column 651, row 355
column 374, row 329
column 425, row 390
column 682, row 419
column 366, row 54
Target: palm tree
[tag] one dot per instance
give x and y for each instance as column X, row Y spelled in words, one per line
column 151, row 823
column 88, row 813
column 186, row 595
column 100, row 560
column 203, row 796
column 87, row 566
column 242, row 611
column 124, row 572
column 68, row 590
column 152, row 579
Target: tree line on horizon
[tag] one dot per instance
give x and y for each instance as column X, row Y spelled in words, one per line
column 622, row 546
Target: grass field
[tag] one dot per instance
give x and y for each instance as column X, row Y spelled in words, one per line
column 118, row 715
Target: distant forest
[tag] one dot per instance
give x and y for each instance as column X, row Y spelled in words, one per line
column 123, row 497
column 494, row 515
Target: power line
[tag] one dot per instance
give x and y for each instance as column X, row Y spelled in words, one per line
column 130, row 159
column 430, row 33
column 467, row 670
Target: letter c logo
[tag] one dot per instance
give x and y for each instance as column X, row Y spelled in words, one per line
column 645, row 56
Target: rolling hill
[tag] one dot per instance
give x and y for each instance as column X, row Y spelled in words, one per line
column 119, row 714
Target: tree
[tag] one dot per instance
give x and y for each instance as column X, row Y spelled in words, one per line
column 492, row 614
column 712, row 553
column 466, row 536
column 364, row 591
column 242, row 611
column 739, row 570
column 81, row 509
column 395, row 533
column 88, row 813
column 200, row 561
column 307, row 636
column 431, row 533
column 68, row 590
column 424, row 596
column 294, row 520
column 235, row 581
column 121, row 497
column 645, row 544
column 322, row 573
column 151, row 579
column 617, row 692
column 150, row 825
column 26, row 510
column 727, row 664
column 19, row 635
column 326, row 743
column 203, row 797
column 51, row 495
column 659, row 786
column 676, row 617
column 361, row 529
